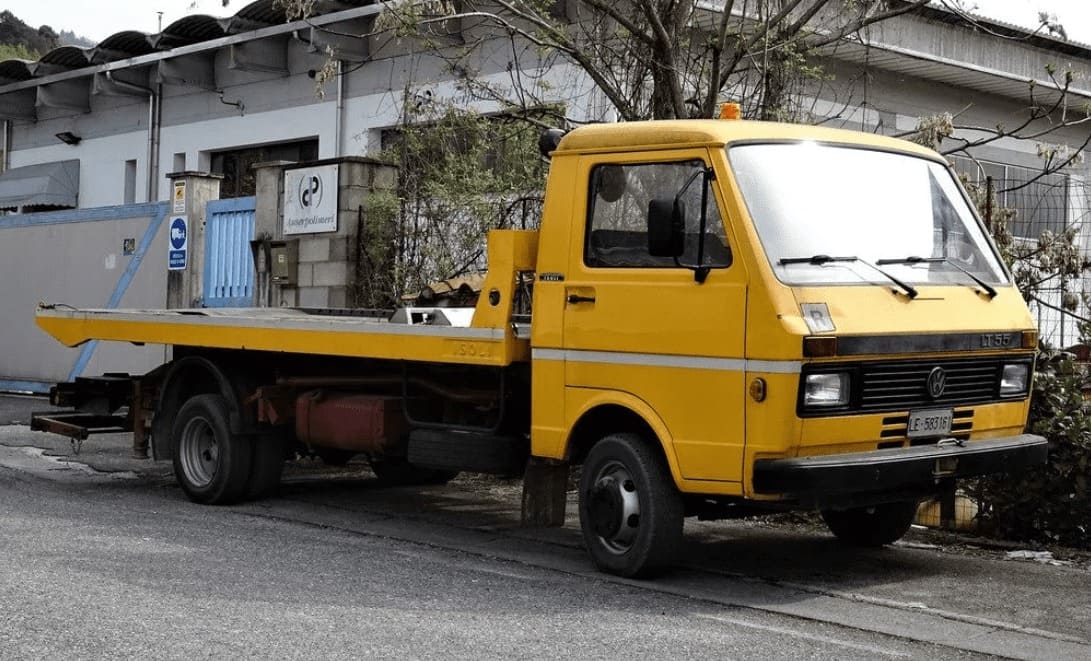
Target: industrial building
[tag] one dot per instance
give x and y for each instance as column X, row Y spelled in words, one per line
column 89, row 135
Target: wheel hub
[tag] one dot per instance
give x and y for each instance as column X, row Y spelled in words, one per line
column 613, row 508
column 605, row 506
column 199, row 452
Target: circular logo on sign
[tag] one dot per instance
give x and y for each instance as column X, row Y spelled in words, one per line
column 178, row 233
column 310, row 191
column 937, row 381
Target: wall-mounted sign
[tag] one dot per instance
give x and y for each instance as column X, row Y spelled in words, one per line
column 179, row 196
column 310, row 200
column 178, row 243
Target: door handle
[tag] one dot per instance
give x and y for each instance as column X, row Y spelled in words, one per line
column 576, row 298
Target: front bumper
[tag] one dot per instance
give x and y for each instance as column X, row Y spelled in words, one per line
column 892, row 470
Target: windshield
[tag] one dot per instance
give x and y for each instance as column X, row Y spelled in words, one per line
column 825, row 213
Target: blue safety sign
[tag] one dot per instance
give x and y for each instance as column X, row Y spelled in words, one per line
column 179, row 238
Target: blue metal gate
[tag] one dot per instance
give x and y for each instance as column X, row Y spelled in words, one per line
column 229, row 264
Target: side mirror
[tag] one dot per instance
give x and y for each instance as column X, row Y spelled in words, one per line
column 666, row 227
column 548, row 141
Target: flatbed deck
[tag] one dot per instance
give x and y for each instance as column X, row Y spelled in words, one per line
column 443, row 335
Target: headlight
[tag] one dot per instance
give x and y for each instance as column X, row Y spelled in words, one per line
column 826, row 390
column 1014, row 379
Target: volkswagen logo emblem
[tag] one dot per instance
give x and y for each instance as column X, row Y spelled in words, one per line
column 937, row 381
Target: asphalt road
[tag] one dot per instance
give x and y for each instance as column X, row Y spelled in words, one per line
column 123, row 568
column 119, row 564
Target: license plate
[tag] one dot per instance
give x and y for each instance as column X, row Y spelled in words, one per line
column 929, row 422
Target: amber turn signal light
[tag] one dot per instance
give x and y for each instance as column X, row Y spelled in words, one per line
column 1030, row 339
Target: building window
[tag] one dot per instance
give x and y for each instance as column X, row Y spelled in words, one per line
column 237, row 165
column 130, row 181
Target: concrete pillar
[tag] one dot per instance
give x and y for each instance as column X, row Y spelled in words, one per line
column 328, row 268
column 269, row 200
column 185, row 287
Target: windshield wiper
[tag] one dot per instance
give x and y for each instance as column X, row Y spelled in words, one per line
column 913, row 259
column 819, row 260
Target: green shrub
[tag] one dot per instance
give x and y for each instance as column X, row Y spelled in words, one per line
column 1050, row 504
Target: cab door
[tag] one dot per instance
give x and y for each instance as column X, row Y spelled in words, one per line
column 643, row 325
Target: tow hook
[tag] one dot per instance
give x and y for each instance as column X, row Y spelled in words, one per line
column 946, row 466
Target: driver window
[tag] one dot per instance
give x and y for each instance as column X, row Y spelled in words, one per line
column 617, row 233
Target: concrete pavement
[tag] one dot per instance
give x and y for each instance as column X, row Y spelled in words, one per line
column 928, row 588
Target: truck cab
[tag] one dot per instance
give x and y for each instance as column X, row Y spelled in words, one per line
column 735, row 315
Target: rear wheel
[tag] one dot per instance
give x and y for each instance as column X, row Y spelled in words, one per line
column 210, row 463
column 631, row 514
column 872, row 526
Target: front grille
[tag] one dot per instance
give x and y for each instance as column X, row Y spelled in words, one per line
column 891, row 386
column 902, row 385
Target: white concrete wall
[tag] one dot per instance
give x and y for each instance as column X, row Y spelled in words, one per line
column 79, row 264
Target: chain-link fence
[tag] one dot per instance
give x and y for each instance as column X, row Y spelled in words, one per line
column 1053, row 204
column 1032, row 203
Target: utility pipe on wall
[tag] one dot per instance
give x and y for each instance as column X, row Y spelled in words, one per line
column 155, row 120
column 5, row 144
column 340, row 119
column 155, row 127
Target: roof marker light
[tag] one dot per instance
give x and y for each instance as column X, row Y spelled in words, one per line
column 730, row 110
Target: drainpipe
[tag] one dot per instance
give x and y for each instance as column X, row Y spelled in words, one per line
column 5, row 144
column 155, row 120
column 337, row 125
column 155, row 129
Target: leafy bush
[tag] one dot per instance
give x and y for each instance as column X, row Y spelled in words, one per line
column 1051, row 503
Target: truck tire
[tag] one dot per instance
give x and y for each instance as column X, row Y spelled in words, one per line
column 872, row 526
column 210, row 463
column 266, row 464
column 631, row 514
column 398, row 472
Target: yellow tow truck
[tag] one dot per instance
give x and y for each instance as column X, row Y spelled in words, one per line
column 715, row 318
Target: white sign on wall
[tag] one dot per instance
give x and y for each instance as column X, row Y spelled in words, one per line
column 310, row 200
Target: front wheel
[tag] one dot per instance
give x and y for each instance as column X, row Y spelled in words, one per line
column 210, row 463
column 872, row 526
column 630, row 511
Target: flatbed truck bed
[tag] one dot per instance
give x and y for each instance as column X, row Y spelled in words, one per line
column 413, row 334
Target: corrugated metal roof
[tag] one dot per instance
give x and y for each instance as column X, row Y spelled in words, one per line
column 262, row 12
column 957, row 74
column 189, row 30
column 1001, row 28
column 72, row 57
column 128, row 43
column 15, row 70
